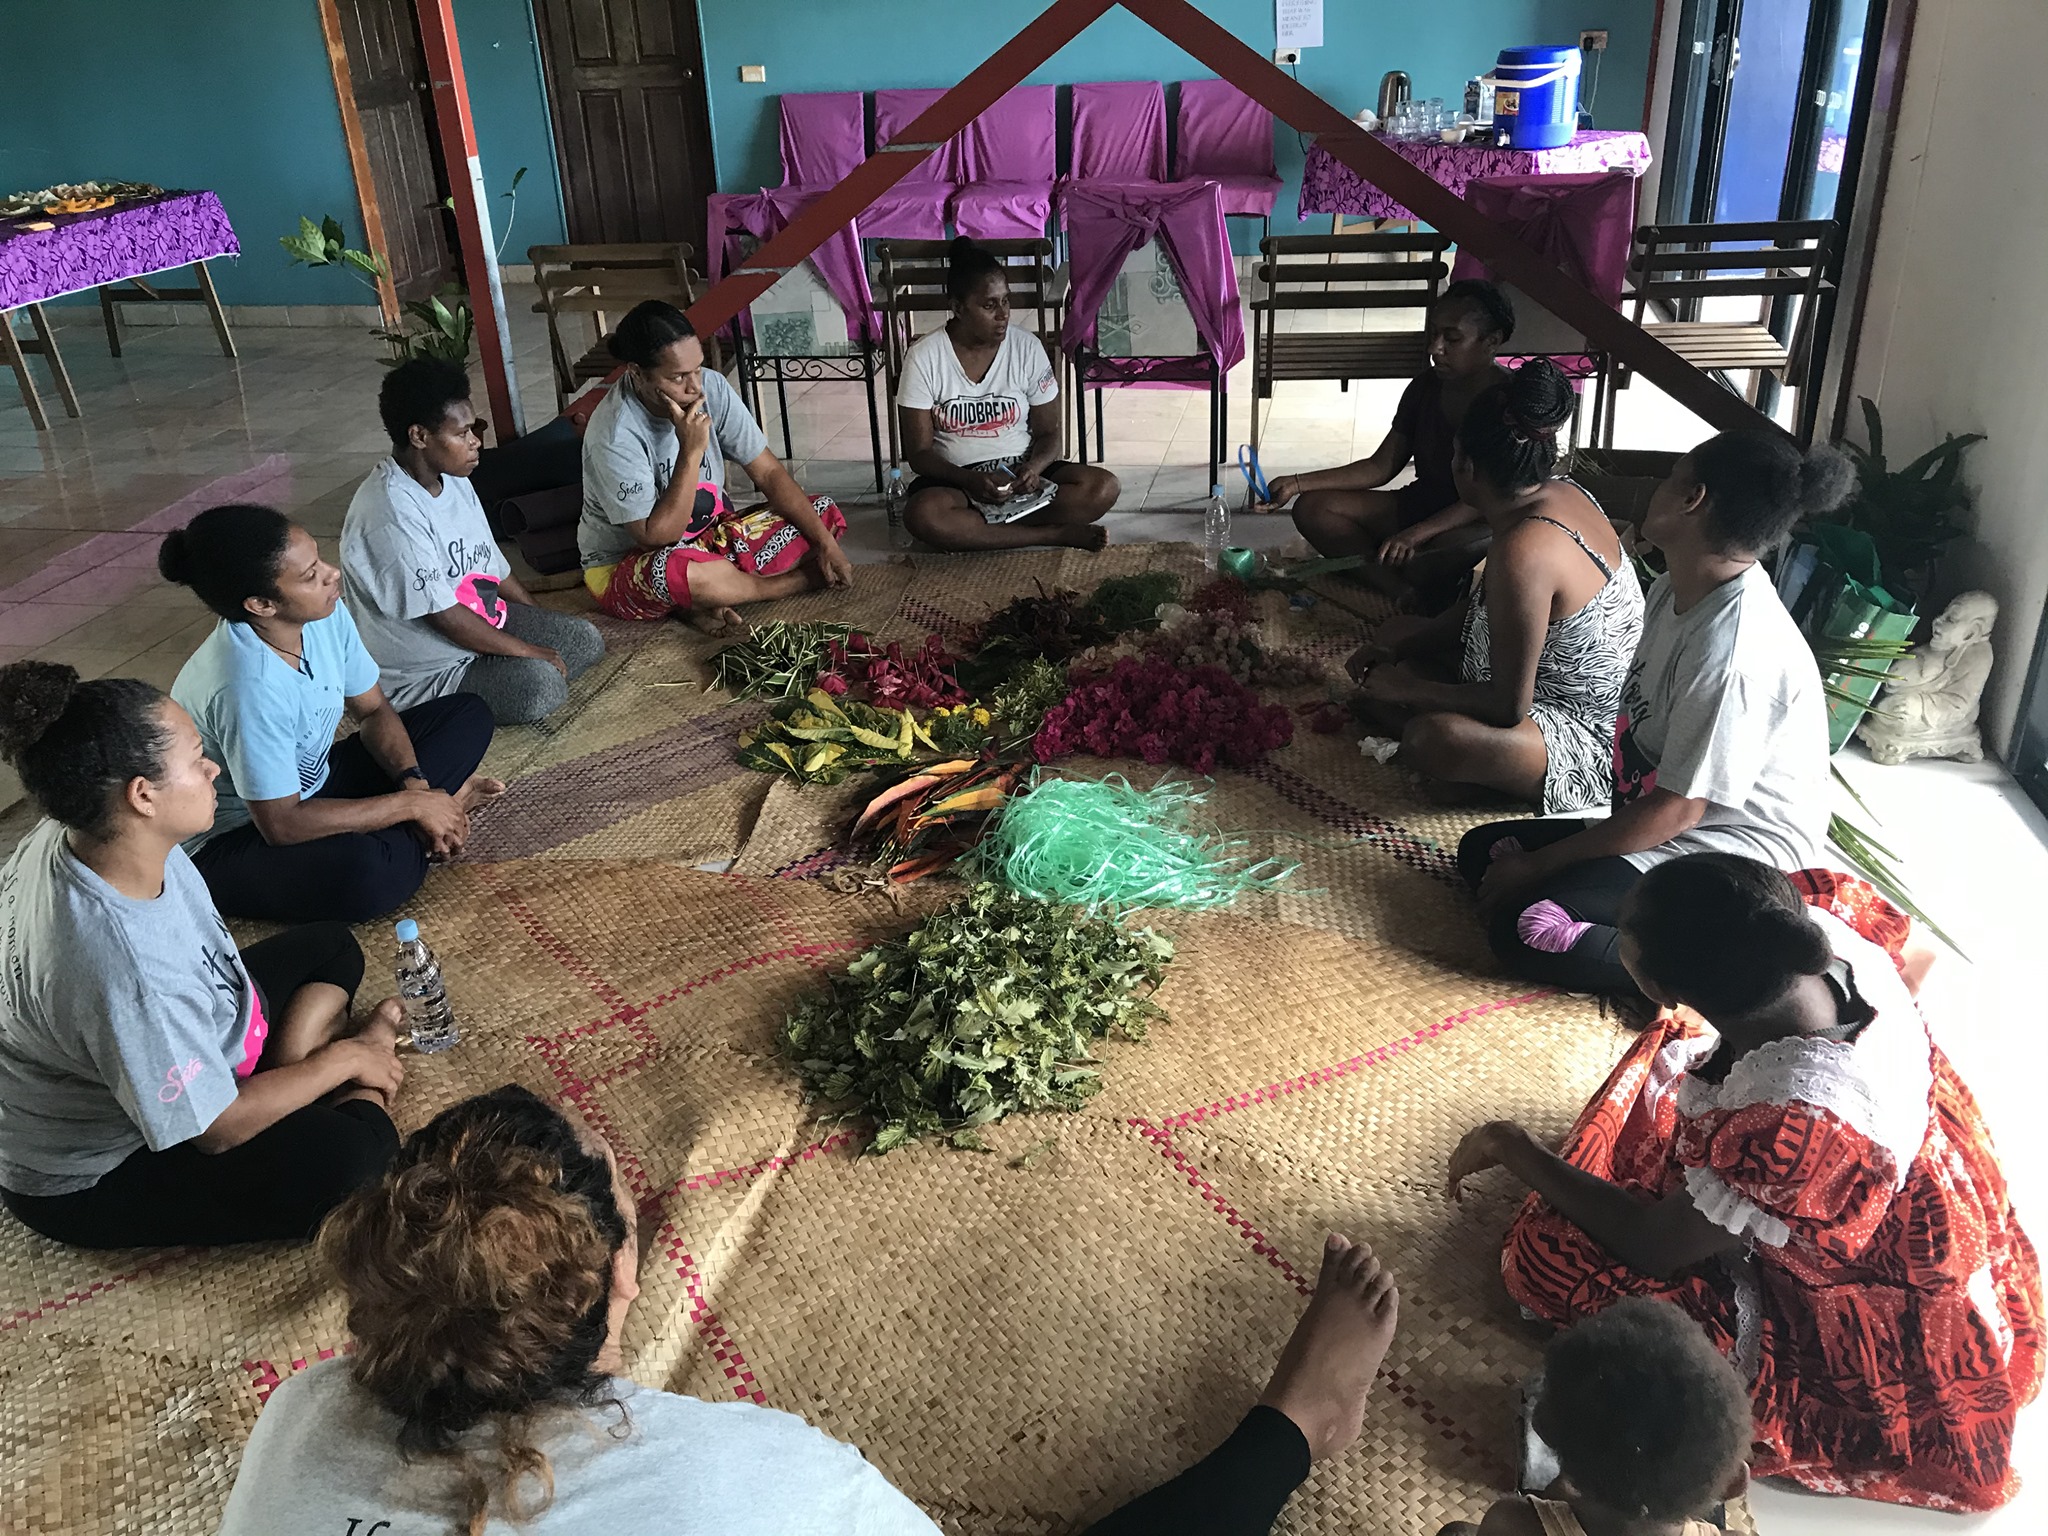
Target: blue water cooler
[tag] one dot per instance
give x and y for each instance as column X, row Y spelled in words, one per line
column 1536, row 96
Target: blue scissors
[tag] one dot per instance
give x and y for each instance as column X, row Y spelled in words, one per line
column 1254, row 477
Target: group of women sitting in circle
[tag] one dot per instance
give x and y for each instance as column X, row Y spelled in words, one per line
column 1778, row 1239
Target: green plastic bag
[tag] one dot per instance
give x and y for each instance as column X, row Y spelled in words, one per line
column 1831, row 584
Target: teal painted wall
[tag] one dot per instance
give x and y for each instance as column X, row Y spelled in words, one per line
column 235, row 96
column 823, row 45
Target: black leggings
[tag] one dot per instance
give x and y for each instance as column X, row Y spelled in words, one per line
column 1238, row 1489
column 352, row 876
column 277, row 1184
column 1590, row 893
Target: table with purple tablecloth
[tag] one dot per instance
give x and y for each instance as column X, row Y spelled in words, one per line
column 126, row 243
column 1330, row 186
column 91, row 250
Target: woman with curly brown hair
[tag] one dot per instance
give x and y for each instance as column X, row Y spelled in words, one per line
column 488, row 1277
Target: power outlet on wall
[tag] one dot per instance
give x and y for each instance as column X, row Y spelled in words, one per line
column 753, row 74
column 1286, row 55
column 1593, row 40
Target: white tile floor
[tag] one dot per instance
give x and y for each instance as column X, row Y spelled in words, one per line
column 296, row 418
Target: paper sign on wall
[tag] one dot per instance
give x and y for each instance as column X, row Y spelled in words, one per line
column 1298, row 23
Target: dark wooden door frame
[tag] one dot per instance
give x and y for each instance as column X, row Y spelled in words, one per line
column 358, row 150
column 691, row 39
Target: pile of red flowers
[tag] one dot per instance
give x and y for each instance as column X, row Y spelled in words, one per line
column 1197, row 717
column 893, row 680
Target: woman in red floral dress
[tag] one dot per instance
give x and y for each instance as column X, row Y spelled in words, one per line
column 1787, row 1155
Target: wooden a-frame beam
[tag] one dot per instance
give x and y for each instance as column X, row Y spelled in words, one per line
column 1605, row 329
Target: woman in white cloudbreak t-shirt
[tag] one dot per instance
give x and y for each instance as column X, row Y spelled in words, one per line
column 980, row 418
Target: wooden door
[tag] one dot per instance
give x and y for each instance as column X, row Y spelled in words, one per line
column 632, row 123
column 388, row 73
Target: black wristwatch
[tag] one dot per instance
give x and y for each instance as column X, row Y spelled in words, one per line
column 411, row 773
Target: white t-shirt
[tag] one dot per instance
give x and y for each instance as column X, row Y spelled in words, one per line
column 629, row 455
column 1724, row 704
column 324, row 1458
column 404, row 555
column 976, row 423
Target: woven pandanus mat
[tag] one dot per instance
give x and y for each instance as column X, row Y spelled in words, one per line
column 1025, row 1338
column 1020, row 1338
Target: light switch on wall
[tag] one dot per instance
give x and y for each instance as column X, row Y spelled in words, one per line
column 753, row 74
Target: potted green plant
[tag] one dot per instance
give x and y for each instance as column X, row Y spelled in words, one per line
column 443, row 325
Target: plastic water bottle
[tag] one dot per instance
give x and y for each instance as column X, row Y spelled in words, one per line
column 421, row 991
column 1215, row 529
column 893, row 500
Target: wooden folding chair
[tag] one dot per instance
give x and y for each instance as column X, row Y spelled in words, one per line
column 914, row 284
column 1375, row 271
column 599, row 283
column 1778, row 262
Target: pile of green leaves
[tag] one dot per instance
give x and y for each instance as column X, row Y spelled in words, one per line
column 820, row 740
column 987, row 1008
column 1124, row 603
column 779, row 660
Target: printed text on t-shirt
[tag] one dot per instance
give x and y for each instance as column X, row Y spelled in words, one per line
column 979, row 415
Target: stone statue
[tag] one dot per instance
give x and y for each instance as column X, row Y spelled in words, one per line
column 1929, row 704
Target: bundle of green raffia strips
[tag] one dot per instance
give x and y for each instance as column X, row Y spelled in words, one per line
column 987, row 1008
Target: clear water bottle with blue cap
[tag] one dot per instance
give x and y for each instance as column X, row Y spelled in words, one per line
column 422, row 993
column 894, row 501
column 1215, row 529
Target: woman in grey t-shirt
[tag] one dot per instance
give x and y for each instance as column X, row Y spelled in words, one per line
column 156, row 1086
column 1721, row 743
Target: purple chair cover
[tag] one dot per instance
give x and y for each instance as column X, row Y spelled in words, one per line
column 1120, row 131
column 1582, row 224
column 1009, row 163
column 1106, row 221
column 729, row 216
column 1227, row 137
column 824, row 136
column 90, row 250
column 915, row 208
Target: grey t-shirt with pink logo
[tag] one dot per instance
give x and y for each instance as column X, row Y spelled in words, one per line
column 121, row 1021
column 406, row 554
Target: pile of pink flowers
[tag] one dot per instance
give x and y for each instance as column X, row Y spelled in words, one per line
column 1149, row 708
column 893, row 680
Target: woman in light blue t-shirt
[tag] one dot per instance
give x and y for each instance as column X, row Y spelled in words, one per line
column 309, row 828
column 156, row 1086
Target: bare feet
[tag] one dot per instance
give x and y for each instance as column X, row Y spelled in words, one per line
column 477, row 791
column 721, row 623
column 386, row 1022
column 1326, row 1371
column 1088, row 536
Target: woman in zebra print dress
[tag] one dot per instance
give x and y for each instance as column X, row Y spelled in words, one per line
column 1516, row 688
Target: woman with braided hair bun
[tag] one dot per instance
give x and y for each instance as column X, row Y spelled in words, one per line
column 1787, row 1156
column 1515, row 688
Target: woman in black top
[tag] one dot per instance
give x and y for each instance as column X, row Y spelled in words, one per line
column 1421, row 535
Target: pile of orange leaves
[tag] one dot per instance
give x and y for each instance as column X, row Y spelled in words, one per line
column 928, row 818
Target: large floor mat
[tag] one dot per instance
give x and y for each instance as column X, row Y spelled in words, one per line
column 1020, row 1338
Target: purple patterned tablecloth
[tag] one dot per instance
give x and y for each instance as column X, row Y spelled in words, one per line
column 86, row 250
column 1330, row 186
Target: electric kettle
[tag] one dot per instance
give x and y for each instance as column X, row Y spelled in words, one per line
column 1394, row 93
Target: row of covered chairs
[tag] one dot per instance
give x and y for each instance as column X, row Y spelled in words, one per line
column 1000, row 178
